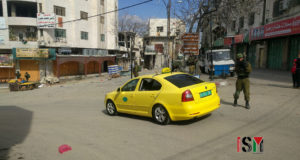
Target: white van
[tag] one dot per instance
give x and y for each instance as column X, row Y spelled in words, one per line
column 221, row 58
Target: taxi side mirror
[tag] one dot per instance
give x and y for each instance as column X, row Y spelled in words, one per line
column 118, row 90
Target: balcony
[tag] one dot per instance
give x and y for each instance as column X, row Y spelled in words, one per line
column 21, row 21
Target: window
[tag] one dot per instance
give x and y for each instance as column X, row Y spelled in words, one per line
column 149, row 84
column 233, row 25
column 40, row 7
column 102, row 19
column 183, row 80
column 42, row 32
column 60, row 11
column 251, row 18
column 83, row 15
column 160, row 29
column 102, row 37
column 60, row 33
column 84, row 35
column 130, row 86
column 241, row 22
column 102, row 2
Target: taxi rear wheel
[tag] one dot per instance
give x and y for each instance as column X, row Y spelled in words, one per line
column 160, row 115
column 111, row 108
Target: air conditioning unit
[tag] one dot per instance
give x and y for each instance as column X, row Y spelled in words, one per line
column 283, row 5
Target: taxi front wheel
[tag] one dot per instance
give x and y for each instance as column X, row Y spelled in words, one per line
column 111, row 108
column 160, row 115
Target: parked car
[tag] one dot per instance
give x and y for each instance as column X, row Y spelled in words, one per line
column 164, row 97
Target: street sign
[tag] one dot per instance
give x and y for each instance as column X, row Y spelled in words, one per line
column 190, row 43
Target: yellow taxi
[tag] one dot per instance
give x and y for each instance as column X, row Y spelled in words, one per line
column 164, row 97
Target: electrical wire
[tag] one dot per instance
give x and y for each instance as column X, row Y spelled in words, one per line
column 123, row 8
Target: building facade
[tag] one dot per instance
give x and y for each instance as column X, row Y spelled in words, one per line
column 80, row 42
column 268, row 34
column 156, row 42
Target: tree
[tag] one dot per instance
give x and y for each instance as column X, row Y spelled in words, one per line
column 195, row 12
column 133, row 23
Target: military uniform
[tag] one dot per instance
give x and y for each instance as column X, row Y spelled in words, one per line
column 243, row 69
column 191, row 63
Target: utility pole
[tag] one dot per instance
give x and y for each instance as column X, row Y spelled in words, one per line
column 211, row 46
column 168, row 28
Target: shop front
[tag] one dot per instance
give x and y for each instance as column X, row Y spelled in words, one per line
column 283, row 42
column 34, row 61
column 7, row 70
column 81, row 65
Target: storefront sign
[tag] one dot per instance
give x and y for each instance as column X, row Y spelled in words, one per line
column 190, row 43
column 6, row 60
column 32, row 53
column 238, row 38
column 281, row 28
column 46, row 20
column 228, row 41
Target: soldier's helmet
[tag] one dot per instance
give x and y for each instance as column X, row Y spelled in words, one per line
column 239, row 55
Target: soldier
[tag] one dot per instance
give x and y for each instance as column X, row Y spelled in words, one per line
column 27, row 76
column 135, row 69
column 191, row 63
column 243, row 69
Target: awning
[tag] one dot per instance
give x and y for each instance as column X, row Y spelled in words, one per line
column 219, row 42
column 238, row 38
column 246, row 38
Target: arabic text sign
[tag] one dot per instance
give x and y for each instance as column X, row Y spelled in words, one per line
column 190, row 43
column 32, row 53
column 46, row 20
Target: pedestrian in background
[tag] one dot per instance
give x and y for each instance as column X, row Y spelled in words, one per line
column 243, row 69
column 191, row 63
column 298, row 71
column 293, row 70
column 135, row 69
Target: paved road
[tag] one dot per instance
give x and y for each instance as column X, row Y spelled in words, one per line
column 33, row 124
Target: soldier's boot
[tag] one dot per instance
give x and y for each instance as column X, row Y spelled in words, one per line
column 247, row 105
column 235, row 103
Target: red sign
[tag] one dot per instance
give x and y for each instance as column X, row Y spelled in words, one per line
column 277, row 29
column 257, row 33
column 228, row 41
column 281, row 28
column 238, row 38
column 190, row 43
column 60, row 22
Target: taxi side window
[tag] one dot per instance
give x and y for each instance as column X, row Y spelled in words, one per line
column 149, row 84
column 130, row 86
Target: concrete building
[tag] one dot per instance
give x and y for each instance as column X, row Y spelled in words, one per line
column 267, row 34
column 157, row 39
column 134, row 44
column 79, row 43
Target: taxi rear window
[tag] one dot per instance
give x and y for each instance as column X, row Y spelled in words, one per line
column 183, row 80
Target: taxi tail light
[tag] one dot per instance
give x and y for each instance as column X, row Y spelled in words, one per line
column 187, row 96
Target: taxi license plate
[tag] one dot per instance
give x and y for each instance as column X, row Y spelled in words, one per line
column 205, row 94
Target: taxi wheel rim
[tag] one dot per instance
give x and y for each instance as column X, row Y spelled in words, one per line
column 110, row 108
column 160, row 114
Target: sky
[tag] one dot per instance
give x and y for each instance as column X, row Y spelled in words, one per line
column 154, row 9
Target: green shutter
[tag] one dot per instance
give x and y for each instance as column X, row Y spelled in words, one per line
column 294, row 50
column 275, row 51
column 252, row 54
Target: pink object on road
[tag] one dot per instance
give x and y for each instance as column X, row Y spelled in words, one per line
column 64, row 148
